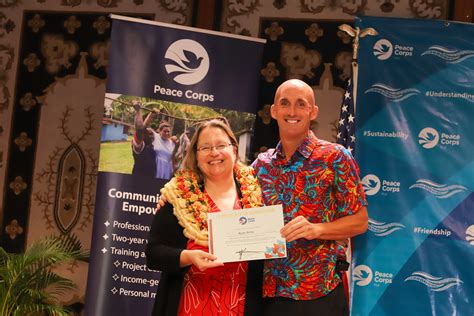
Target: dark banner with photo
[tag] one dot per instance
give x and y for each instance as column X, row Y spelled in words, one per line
column 163, row 81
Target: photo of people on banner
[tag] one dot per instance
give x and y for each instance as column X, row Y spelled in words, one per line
column 153, row 136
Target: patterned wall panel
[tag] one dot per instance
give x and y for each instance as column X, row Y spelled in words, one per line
column 49, row 57
column 53, row 68
column 243, row 17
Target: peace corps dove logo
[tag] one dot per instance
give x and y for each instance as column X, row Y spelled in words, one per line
column 371, row 184
column 188, row 61
column 428, row 137
column 362, row 275
column 383, row 49
column 470, row 234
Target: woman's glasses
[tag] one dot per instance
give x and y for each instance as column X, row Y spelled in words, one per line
column 205, row 150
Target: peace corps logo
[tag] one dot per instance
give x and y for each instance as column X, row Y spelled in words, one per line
column 470, row 234
column 188, row 61
column 371, row 184
column 428, row 137
column 362, row 275
column 383, row 49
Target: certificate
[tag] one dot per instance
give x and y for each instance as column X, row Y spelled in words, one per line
column 247, row 234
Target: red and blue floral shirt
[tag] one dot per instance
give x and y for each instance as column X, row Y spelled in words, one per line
column 320, row 182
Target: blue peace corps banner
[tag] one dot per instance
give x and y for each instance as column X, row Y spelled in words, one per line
column 415, row 148
column 182, row 75
column 184, row 65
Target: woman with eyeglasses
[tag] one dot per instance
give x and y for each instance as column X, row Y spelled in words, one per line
column 194, row 282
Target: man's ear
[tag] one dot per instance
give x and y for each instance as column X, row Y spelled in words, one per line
column 272, row 111
column 314, row 112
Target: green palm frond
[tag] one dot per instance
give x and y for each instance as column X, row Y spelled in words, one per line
column 27, row 282
column 49, row 309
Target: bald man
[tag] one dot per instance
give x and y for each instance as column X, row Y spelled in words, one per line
column 318, row 184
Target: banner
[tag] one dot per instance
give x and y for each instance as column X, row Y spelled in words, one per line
column 180, row 76
column 414, row 147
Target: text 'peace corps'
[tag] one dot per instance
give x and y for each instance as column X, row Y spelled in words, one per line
column 204, row 97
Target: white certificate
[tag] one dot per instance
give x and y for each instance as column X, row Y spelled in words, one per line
column 247, row 234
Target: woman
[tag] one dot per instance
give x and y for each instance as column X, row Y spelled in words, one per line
column 194, row 282
column 163, row 146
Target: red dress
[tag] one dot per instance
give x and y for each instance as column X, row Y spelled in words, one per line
column 216, row 291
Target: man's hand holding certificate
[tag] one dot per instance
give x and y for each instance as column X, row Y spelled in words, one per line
column 247, row 234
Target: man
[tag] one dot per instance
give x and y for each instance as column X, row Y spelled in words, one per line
column 142, row 144
column 323, row 201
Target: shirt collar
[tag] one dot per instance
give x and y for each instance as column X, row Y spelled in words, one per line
column 305, row 148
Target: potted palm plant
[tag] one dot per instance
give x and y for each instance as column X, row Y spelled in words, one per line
column 28, row 283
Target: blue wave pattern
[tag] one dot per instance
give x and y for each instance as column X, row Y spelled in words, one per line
column 440, row 191
column 392, row 93
column 436, row 284
column 451, row 56
column 383, row 229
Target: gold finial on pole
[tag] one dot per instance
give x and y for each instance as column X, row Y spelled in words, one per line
column 356, row 33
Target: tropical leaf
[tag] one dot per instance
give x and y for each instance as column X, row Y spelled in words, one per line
column 28, row 283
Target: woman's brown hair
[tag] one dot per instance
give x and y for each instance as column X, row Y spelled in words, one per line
column 190, row 161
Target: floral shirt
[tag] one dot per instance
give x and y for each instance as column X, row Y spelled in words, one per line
column 320, row 182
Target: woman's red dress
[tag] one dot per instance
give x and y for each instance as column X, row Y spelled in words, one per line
column 216, row 291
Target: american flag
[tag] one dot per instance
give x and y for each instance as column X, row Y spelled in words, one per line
column 346, row 124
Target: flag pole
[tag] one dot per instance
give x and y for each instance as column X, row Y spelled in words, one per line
column 356, row 34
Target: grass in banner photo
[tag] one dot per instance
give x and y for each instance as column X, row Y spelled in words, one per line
column 116, row 156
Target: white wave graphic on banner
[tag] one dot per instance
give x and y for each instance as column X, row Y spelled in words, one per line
column 436, row 284
column 452, row 56
column 440, row 191
column 383, row 229
column 392, row 93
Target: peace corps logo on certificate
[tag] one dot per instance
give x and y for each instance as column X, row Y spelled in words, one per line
column 188, row 61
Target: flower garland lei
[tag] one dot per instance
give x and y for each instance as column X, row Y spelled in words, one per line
column 190, row 205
